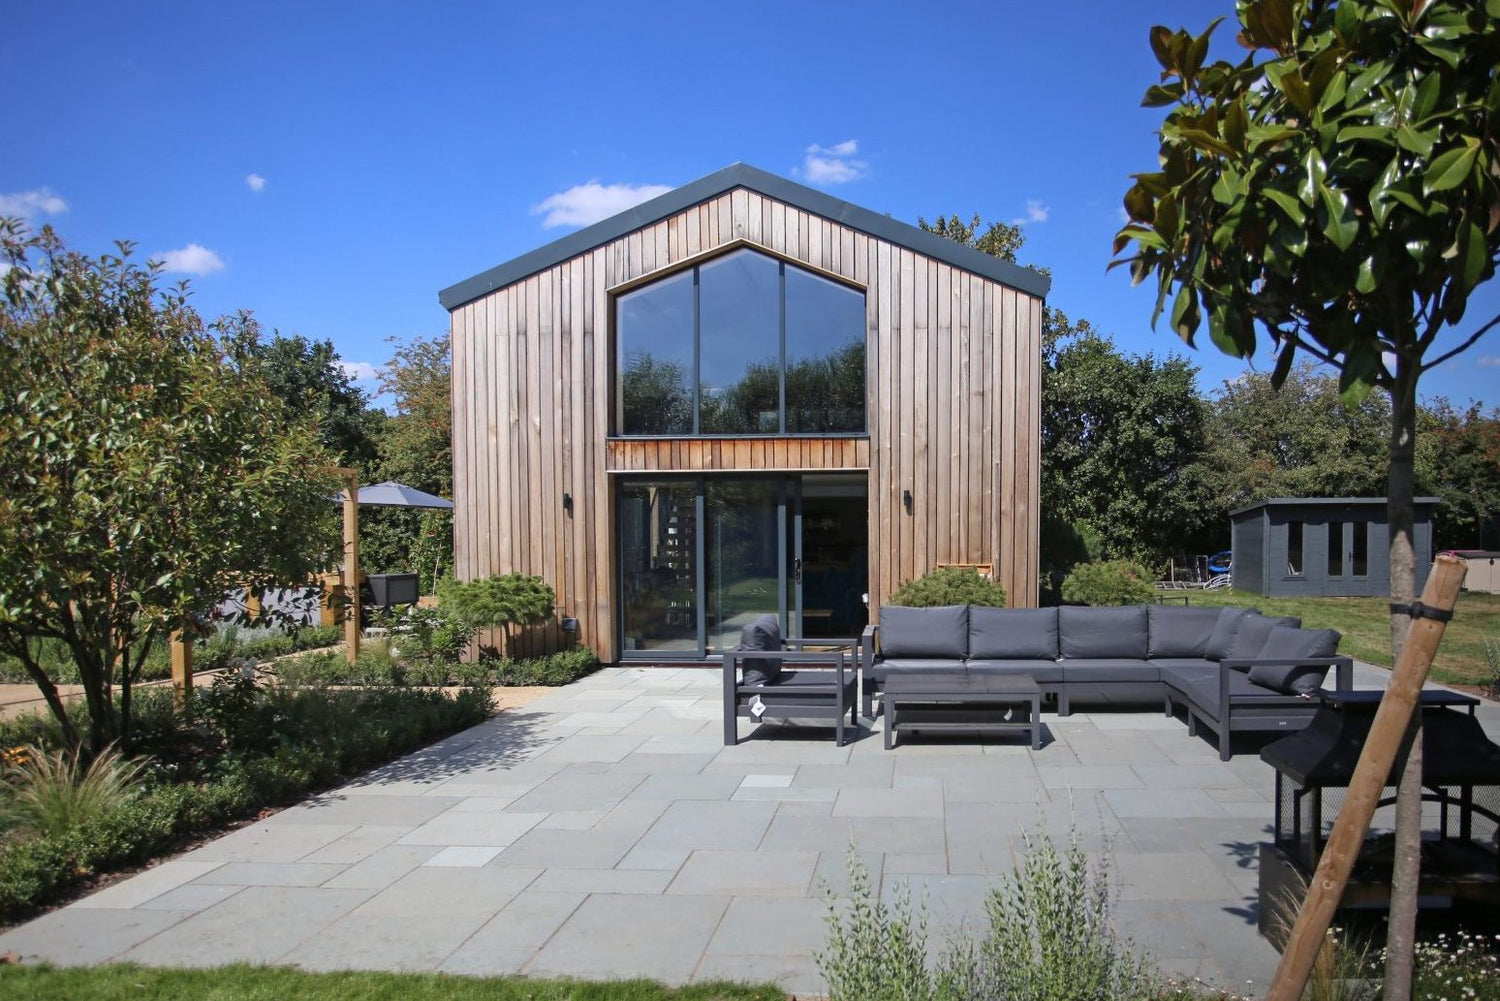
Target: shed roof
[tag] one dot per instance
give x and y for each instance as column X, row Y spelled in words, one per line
column 1323, row 501
column 742, row 175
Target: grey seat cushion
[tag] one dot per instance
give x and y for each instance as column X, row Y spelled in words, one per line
column 1012, row 633
column 1165, row 664
column 881, row 669
column 1179, row 630
column 1295, row 644
column 763, row 633
column 1043, row 672
column 1251, row 635
column 1102, row 632
column 1097, row 669
column 1204, row 692
column 1184, row 675
column 810, row 684
column 1225, row 629
column 924, row 632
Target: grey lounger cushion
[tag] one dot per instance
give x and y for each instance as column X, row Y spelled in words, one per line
column 764, row 633
column 1012, row 633
column 1225, row 630
column 1043, row 672
column 1111, row 669
column 924, row 632
column 1114, row 633
column 1252, row 634
column 1179, row 630
column 1294, row 644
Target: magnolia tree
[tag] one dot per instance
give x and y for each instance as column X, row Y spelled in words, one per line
column 1337, row 191
column 145, row 470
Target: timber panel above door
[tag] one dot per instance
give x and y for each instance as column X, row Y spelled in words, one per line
column 697, row 455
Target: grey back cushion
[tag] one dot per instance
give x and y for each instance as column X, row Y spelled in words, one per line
column 941, row 632
column 1251, row 635
column 1102, row 632
column 1225, row 629
column 1012, row 633
column 1179, row 630
column 1294, row 644
column 763, row 633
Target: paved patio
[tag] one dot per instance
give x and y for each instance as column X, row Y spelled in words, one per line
column 604, row 831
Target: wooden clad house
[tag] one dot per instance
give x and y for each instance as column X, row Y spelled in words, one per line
column 743, row 396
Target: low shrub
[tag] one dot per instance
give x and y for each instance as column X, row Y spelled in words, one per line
column 48, row 792
column 503, row 600
column 949, row 586
column 1049, row 938
column 377, row 666
column 561, row 668
column 1109, row 582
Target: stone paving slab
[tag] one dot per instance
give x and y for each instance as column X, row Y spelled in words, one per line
column 604, row 831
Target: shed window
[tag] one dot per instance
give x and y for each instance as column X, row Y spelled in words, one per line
column 1294, row 548
column 1335, row 549
column 1359, row 550
column 741, row 344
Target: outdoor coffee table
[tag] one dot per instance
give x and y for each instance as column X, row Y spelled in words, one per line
column 946, row 700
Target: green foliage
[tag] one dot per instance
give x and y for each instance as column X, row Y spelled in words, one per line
column 513, row 599
column 950, row 586
column 561, row 668
column 146, row 469
column 1122, row 437
column 1050, row 934
column 307, row 377
column 1049, row 938
column 37, row 982
column 1109, row 582
column 48, row 792
column 1458, row 460
column 244, row 749
column 377, row 665
column 998, row 239
column 1492, row 667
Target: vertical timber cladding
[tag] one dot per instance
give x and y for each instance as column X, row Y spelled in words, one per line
column 954, row 372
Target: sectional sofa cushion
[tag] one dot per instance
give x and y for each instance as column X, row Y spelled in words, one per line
column 1114, row 633
column 1012, row 633
column 762, row 633
column 1043, row 672
column 924, row 632
column 1179, row 630
column 1111, row 669
column 1251, row 635
column 1203, row 690
column 1294, row 644
column 1171, row 664
column 1225, row 629
column 939, row 664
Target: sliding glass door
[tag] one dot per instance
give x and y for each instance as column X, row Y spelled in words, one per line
column 701, row 557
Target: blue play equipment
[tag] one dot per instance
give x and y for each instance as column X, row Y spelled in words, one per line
column 1220, row 562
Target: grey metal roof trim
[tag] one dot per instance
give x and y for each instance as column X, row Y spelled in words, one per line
column 741, row 175
column 1323, row 501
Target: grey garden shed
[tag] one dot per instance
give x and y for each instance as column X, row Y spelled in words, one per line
column 1336, row 546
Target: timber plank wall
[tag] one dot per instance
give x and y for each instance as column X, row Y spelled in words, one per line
column 954, row 391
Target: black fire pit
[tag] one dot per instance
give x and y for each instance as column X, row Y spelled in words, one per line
column 1460, row 796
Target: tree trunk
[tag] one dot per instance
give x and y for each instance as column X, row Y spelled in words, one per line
column 1406, row 872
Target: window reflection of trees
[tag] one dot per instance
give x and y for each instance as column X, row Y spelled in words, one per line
column 820, row 390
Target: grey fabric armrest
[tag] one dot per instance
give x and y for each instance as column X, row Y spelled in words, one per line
column 836, row 659
column 867, row 647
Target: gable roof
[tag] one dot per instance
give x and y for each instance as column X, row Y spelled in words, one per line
column 741, row 175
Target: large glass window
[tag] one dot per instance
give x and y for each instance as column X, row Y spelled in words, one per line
column 659, row 565
column 741, row 344
column 1335, row 549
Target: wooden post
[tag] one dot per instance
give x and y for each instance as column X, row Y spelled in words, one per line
column 1371, row 774
column 182, row 665
column 351, row 563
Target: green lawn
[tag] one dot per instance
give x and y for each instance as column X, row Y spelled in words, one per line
column 1366, row 625
column 259, row 983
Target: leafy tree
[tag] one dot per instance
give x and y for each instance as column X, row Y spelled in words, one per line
column 1300, row 440
column 1121, row 437
column 307, row 376
column 1338, row 189
column 145, row 469
column 998, row 239
column 1458, row 460
column 416, row 448
column 950, row 586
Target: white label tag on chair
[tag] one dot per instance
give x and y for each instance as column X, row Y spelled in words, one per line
column 757, row 707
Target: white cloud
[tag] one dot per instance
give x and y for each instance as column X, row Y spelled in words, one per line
column 583, row 204
column 1489, row 361
column 1035, row 212
column 194, row 259
column 26, row 204
column 255, row 182
column 360, row 371
column 833, row 164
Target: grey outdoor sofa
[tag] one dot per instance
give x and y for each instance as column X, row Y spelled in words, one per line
column 1228, row 669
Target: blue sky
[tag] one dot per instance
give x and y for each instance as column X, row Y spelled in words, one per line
column 330, row 166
